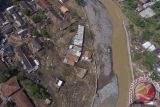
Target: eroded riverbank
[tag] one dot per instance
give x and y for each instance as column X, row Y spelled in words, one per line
column 109, row 34
column 120, row 54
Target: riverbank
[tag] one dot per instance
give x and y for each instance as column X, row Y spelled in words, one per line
column 120, row 52
column 107, row 88
column 106, row 22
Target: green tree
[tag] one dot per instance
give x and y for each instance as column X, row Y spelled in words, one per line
column 149, row 60
column 34, row 90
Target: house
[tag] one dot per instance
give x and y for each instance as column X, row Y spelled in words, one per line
column 71, row 59
column 16, row 15
column 7, row 29
column 87, row 56
column 59, row 82
column 18, row 19
column 151, row 48
column 3, row 66
column 7, row 50
column 21, row 100
column 78, row 39
column 23, row 33
column 11, row 9
column 35, row 45
column 28, row 62
column 64, row 9
column 147, row 13
column 10, row 87
column 148, row 46
column 75, row 49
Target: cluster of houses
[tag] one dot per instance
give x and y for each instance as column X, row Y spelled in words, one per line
column 59, row 11
column 13, row 23
column 144, row 8
column 148, row 46
column 11, row 91
column 74, row 53
column 75, row 49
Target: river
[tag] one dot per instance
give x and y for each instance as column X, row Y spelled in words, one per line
column 120, row 52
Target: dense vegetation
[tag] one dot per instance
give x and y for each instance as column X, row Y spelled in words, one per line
column 151, row 26
column 34, row 90
column 6, row 75
column 40, row 15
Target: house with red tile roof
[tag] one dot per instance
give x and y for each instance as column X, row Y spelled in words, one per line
column 21, row 99
column 10, row 87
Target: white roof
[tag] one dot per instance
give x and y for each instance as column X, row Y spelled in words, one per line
column 9, row 8
column 60, row 83
column 146, row 45
column 78, row 39
column 151, row 48
column 148, row 12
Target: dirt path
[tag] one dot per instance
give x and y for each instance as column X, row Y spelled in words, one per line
column 120, row 55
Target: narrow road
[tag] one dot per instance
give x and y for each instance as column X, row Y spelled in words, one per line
column 120, row 53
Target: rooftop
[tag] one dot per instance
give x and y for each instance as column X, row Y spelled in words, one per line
column 10, row 87
column 21, row 100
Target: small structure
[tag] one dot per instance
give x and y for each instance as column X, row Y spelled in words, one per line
column 21, row 100
column 59, row 82
column 11, row 9
column 147, row 13
column 80, row 72
column 64, row 9
column 48, row 102
column 28, row 62
column 10, row 87
column 78, row 39
column 148, row 46
column 7, row 50
column 87, row 56
column 75, row 49
column 7, row 29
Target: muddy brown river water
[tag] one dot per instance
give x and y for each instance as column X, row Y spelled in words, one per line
column 120, row 53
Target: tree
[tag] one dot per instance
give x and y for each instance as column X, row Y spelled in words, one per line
column 10, row 104
column 34, row 90
column 149, row 60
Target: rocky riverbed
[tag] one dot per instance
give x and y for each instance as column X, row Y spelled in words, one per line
column 107, row 87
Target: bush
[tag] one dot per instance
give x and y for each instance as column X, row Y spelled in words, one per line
column 10, row 104
column 73, row 28
column 34, row 90
column 137, row 56
column 149, row 60
column 6, row 75
column 38, row 16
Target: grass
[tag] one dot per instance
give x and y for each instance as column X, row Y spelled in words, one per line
column 149, row 27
